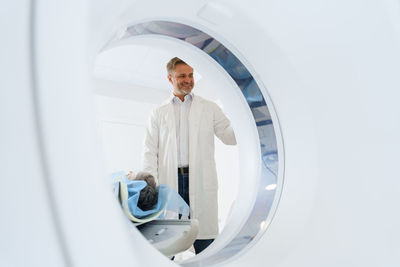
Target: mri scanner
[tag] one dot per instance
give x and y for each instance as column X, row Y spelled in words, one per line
column 312, row 88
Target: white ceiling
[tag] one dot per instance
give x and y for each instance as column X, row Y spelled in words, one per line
column 135, row 64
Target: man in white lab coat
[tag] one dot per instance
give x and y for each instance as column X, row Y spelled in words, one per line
column 179, row 148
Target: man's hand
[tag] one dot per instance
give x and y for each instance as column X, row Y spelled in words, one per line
column 131, row 175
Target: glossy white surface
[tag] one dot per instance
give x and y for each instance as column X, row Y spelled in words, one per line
column 331, row 69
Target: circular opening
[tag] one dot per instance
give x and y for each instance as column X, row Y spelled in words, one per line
column 255, row 124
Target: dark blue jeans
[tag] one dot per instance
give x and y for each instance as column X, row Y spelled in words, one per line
column 201, row 244
column 183, row 187
column 183, row 190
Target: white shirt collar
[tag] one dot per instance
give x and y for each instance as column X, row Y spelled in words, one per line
column 175, row 99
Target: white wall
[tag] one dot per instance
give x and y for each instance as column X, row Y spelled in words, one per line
column 122, row 123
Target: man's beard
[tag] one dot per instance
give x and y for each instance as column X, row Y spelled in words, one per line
column 182, row 90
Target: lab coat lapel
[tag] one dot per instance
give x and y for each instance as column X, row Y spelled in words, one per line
column 170, row 119
column 196, row 110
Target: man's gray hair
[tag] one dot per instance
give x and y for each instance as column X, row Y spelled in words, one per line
column 173, row 62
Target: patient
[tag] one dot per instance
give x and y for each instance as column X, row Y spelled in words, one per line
column 149, row 195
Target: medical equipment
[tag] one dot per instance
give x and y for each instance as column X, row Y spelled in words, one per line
column 329, row 76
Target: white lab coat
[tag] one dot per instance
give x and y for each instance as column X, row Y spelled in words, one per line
column 160, row 156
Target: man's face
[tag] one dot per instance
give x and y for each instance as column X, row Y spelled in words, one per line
column 182, row 79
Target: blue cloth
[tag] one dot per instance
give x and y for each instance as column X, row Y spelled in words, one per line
column 168, row 199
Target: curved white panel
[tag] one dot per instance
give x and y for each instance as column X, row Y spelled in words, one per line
column 331, row 69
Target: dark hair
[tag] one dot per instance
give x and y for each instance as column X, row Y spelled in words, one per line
column 148, row 198
column 149, row 195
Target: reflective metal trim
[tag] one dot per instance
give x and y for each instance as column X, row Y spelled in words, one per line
column 269, row 187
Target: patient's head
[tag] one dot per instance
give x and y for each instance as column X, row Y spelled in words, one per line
column 149, row 195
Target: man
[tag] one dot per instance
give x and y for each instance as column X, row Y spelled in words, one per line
column 179, row 148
